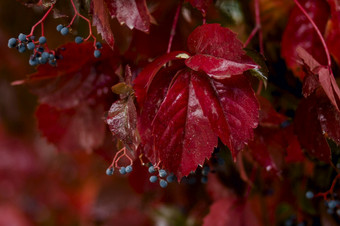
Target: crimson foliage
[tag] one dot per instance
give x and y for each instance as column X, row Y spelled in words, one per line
column 195, row 107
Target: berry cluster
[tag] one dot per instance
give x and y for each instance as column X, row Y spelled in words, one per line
column 163, row 177
column 332, row 205
column 78, row 39
column 122, row 170
column 41, row 53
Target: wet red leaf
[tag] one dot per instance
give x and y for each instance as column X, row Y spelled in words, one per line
column 133, row 13
column 330, row 121
column 219, row 42
column 183, row 135
column 101, row 21
column 216, row 67
column 300, row 32
column 122, row 121
column 197, row 109
column 153, row 100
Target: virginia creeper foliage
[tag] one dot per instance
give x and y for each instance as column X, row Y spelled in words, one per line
column 229, row 110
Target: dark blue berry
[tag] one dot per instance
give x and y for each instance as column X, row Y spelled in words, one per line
column 151, row 169
column 153, row 179
column 42, row 60
column 162, row 173
column 332, row 204
column 45, row 55
column 12, row 42
column 51, row 56
column 33, row 62
column 205, row 170
column 99, row 45
column 204, row 180
column 21, row 48
column 128, row 169
column 64, row 31
column 170, row 178
column 163, row 183
column 122, row 170
column 97, row 53
column 309, row 194
column 22, row 37
column 109, row 171
column 78, row 39
column 59, row 27
column 42, row 40
column 30, row 46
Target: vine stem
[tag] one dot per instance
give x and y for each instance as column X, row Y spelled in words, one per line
column 76, row 13
column 257, row 29
column 41, row 21
column 120, row 154
column 318, row 32
column 330, row 191
column 173, row 27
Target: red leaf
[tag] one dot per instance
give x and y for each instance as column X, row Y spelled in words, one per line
column 230, row 211
column 231, row 108
column 78, row 77
column 330, row 121
column 224, row 108
column 133, row 13
column 326, row 79
column 201, row 5
column 122, row 121
column 310, row 84
column 312, row 138
column 215, row 67
column 101, row 21
column 155, row 96
column 220, row 42
column 144, row 79
column 300, row 32
column 333, row 30
column 183, row 136
column 74, row 129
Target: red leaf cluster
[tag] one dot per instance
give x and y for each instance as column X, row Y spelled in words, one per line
column 210, row 98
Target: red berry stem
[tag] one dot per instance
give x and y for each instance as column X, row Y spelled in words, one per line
column 119, row 155
column 41, row 22
column 76, row 13
column 330, row 191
